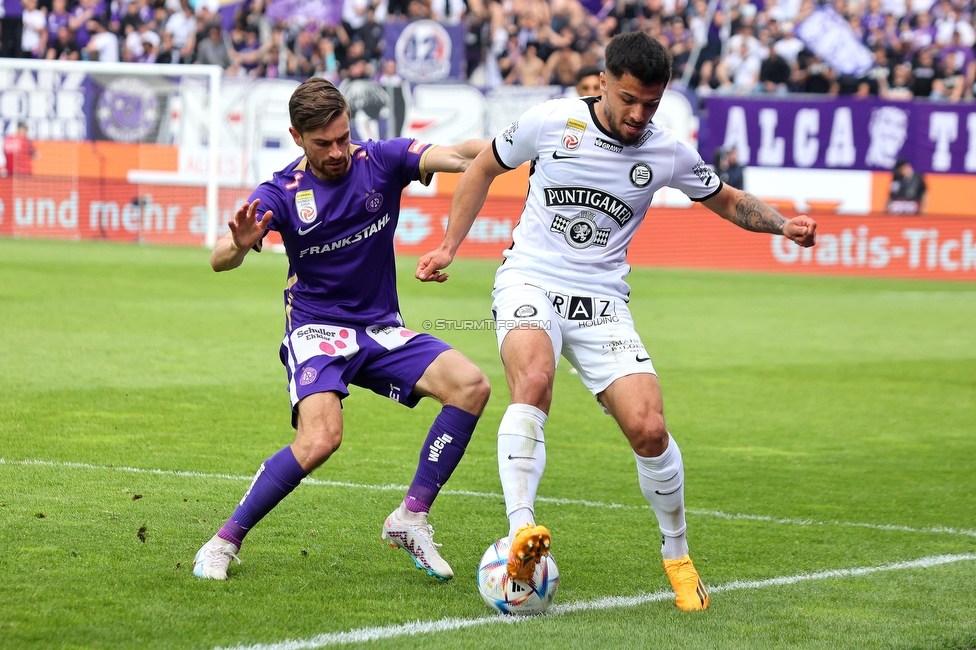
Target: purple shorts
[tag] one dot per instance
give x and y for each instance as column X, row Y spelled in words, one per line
column 388, row 360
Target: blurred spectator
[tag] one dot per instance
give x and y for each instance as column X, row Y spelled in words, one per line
column 789, row 46
column 448, row 12
column 371, row 35
column 951, row 84
column 215, row 48
column 900, row 89
column 739, row 71
column 182, row 26
column 85, row 11
column 33, row 38
column 130, row 21
column 529, row 70
column 727, row 167
column 963, row 59
column 588, row 82
column 907, row 193
column 561, row 66
column 19, row 152
column 924, row 73
column 168, row 52
column 57, row 18
column 920, row 33
column 103, row 45
column 249, row 52
column 276, row 59
column 63, row 48
column 774, row 75
column 880, row 73
column 813, row 75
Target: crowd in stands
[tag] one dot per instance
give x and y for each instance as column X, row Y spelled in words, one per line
column 920, row 48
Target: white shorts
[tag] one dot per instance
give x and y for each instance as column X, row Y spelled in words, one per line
column 595, row 333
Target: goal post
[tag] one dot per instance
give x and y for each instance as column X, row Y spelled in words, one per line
column 122, row 151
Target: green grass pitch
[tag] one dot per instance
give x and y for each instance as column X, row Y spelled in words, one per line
column 828, row 428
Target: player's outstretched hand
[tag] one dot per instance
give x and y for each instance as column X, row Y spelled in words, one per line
column 430, row 265
column 246, row 228
column 801, row 229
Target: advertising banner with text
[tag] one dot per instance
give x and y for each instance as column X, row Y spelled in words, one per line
column 855, row 245
column 842, row 133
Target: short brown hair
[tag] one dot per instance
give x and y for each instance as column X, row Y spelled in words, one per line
column 315, row 103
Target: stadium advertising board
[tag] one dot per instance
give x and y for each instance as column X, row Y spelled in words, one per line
column 853, row 245
column 911, row 247
column 843, row 133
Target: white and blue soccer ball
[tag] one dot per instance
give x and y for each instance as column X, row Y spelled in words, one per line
column 508, row 596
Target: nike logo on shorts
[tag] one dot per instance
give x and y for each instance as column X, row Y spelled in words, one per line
column 639, row 360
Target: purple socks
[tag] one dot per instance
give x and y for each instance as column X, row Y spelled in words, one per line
column 441, row 453
column 276, row 478
column 280, row 474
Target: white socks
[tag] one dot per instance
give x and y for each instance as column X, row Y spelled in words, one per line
column 662, row 481
column 521, row 462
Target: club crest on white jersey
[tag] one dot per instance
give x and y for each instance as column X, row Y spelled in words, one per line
column 573, row 134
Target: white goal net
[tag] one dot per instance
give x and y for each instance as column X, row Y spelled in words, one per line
column 134, row 152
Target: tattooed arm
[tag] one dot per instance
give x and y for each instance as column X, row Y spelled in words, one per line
column 748, row 212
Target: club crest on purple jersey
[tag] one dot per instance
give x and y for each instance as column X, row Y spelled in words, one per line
column 305, row 205
column 374, row 201
column 308, row 376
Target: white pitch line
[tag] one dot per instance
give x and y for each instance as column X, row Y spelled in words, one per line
column 489, row 495
column 414, row 628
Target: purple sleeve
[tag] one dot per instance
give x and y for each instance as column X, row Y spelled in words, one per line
column 271, row 199
column 404, row 159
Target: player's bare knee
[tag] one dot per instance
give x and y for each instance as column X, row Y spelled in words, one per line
column 472, row 390
column 316, row 447
column 533, row 386
column 649, row 436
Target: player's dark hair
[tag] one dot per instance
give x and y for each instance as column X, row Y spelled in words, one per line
column 315, row 103
column 639, row 55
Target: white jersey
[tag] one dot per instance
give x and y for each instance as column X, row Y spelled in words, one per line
column 587, row 194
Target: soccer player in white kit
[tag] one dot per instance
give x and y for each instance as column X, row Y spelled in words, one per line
column 596, row 163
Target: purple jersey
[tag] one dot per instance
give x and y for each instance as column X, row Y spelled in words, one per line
column 338, row 235
column 55, row 22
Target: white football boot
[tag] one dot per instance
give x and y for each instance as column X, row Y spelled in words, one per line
column 213, row 559
column 411, row 532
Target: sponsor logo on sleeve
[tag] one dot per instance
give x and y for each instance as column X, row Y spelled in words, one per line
column 417, row 147
column 573, row 134
column 305, row 205
column 508, row 135
column 702, row 171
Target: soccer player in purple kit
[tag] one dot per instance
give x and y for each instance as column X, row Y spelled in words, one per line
column 336, row 209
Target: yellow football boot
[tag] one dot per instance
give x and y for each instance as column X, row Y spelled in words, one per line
column 531, row 543
column 688, row 588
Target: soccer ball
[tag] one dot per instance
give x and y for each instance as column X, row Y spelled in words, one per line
column 508, row 596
